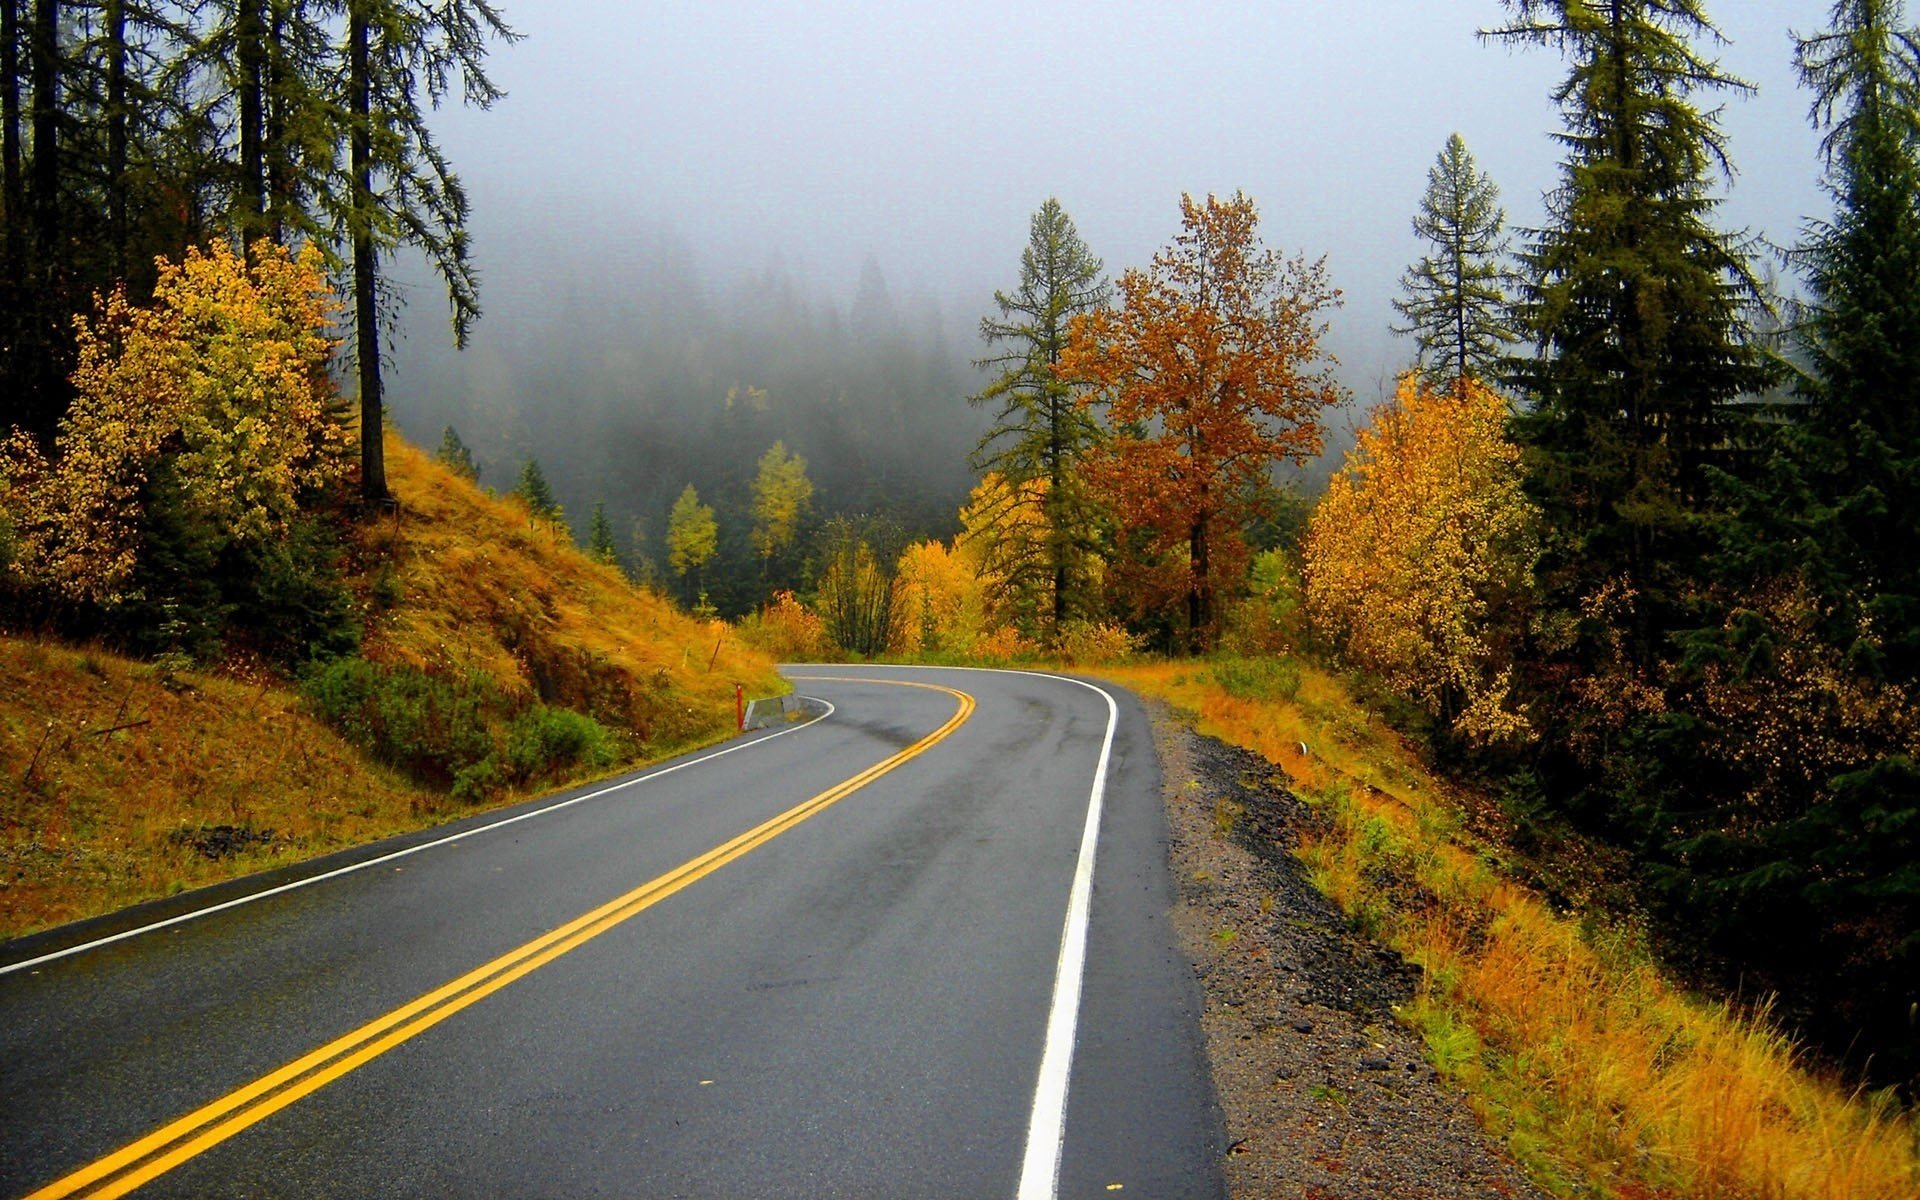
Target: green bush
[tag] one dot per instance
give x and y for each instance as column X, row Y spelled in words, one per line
column 547, row 741
column 429, row 726
column 1258, row 678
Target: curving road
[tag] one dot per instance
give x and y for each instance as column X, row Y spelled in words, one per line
column 844, row 959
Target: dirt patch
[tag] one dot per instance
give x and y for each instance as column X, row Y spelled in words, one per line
column 1326, row 1097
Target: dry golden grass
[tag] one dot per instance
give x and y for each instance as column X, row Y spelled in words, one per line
column 482, row 586
column 92, row 820
column 1606, row 1079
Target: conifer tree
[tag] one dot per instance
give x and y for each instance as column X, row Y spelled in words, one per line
column 600, row 545
column 1456, row 304
column 1859, row 446
column 534, row 491
column 1637, row 304
column 1039, row 431
column 455, row 453
column 400, row 189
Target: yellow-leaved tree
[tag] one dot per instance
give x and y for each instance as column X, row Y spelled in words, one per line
column 223, row 377
column 1419, row 560
column 939, row 602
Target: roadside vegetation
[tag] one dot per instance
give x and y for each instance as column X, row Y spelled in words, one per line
column 1604, row 1075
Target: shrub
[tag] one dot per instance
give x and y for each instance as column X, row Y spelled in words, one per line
column 787, row 630
column 1258, row 678
column 428, row 726
column 1086, row 642
column 548, row 741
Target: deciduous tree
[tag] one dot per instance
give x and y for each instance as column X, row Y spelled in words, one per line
column 693, row 536
column 224, row 376
column 1419, row 558
column 781, row 494
column 1210, row 372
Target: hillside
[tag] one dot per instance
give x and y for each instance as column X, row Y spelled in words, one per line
column 121, row 781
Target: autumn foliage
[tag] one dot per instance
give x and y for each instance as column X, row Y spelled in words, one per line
column 1209, row 371
column 1419, row 558
column 223, row 378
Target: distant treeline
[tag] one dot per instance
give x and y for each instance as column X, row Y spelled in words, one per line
column 630, row 378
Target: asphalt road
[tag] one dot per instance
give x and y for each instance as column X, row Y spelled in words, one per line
column 855, row 1001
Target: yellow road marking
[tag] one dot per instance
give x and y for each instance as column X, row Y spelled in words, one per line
column 166, row 1148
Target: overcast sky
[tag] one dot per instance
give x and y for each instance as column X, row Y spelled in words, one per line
column 925, row 134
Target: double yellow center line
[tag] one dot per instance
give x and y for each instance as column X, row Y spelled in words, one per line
column 206, row 1127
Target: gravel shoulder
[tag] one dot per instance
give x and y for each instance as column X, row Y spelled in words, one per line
column 1326, row 1097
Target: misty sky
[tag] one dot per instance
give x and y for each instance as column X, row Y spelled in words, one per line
column 925, row 134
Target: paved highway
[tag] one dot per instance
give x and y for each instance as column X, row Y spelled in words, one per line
column 878, row 955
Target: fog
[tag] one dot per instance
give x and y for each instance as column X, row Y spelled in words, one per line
column 673, row 195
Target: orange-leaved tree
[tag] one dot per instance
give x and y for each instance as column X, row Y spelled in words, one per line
column 224, row 377
column 1209, row 371
column 1419, row 559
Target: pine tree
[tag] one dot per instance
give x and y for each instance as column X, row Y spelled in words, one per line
column 1456, row 304
column 397, row 53
column 1039, row 431
column 1859, row 446
column 455, row 454
column 1637, row 305
column 600, row 545
column 535, row 492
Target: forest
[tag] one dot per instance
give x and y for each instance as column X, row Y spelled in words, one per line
column 1631, row 546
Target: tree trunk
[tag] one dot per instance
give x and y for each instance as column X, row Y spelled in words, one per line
column 366, row 310
column 1200, row 589
column 250, row 36
column 12, row 185
column 116, row 22
column 44, row 53
column 275, row 151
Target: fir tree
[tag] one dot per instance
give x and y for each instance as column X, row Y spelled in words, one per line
column 1456, row 304
column 1039, row 431
column 1637, row 305
column 1858, row 450
column 455, row 454
column 600, row 545
column 400, row 189
column 535, row 492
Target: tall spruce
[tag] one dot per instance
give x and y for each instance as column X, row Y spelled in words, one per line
column 1637, row 304
column 1859, row 449
column 1456, row 304
column 1039, row 431
column 403, row 57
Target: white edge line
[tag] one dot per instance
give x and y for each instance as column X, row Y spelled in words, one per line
column 197, row 913
column 1047, row 1122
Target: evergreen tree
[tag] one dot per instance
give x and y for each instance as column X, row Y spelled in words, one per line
column 400, row 190
column 535, row 492
column 1859, row 447
column 1039, row 430
column 454, row 453
column 600, row 545
column 1637, row 305
column 1456, row 304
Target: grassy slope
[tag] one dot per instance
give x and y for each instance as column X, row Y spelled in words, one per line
column 1605, row 1078
column 92, row 820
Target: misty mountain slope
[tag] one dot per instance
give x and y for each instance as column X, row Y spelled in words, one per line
column 629, row 375
column 481, row 586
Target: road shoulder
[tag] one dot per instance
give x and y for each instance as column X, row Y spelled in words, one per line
column 1325, row 1094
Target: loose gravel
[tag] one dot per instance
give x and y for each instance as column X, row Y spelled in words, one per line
column 1326, row 1097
